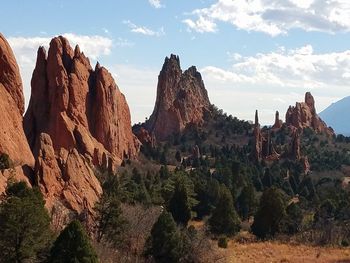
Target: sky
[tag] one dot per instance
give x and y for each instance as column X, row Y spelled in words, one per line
column 252, row 54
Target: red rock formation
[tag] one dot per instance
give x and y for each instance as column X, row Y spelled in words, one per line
column 145, row 137
column 12, row 139
column 295, row 145
column 257, row 140
column 278, row 123
column 78, row 107
column 77, row 119
column 181, row 100
column 66, row 180
column 304, row 115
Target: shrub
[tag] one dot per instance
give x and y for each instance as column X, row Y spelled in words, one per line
column 222, row 242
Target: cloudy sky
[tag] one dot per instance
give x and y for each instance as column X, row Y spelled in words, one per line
column 253, row 54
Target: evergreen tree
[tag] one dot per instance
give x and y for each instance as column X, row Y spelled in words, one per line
column 110, row 224
column 179, row 205
column 178, row 156
column 224, row 219
column 24, row 224
column 246, row 201
column 293, row 219
column 270, row 213
column 165, row 242
column 72, row 246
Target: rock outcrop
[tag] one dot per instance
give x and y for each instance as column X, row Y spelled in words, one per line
column 278, row 123
column 263, row 147
column 66, row 180
column 303, row 115
column 78, row 107
column 257, row 140
column 181, row 100
column 77, row 119
column 145, row 137
column 13, row 141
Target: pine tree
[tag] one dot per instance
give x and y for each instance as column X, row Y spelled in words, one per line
column 224, row 219
column 178, row 156
column 24, row 224
column 179, row 205
column 73, row 245
column 165, row 243
column 270, row 213
column 110, row 224
column 247, row 201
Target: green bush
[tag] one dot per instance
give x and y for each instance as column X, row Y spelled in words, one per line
column 5, row 162
column 222, row 242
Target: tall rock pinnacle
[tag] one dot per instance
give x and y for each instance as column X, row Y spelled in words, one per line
column 181, row 100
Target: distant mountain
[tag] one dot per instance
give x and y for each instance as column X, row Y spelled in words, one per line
column 337, row 116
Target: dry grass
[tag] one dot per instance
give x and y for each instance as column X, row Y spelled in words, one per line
column 262, row 252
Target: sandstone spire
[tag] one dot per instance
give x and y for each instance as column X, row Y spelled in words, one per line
column 181, row 100
column 278, row 123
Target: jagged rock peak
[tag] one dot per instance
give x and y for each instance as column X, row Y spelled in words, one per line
column 256, row 122
column 303, row 115
column 77, row 106
column 77, row 119
column 278, row 123
column 181, row 100
column 172, row 62
column 9, row 74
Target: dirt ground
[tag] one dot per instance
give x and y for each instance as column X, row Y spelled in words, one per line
column 271, row 252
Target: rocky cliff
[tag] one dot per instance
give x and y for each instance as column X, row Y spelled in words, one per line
column 12, row 139
column 303, row 115
column 181, row 100
column 77, row 119
column 78, row 107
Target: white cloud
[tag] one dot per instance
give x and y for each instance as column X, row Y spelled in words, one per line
column 201, row 25
column 155, row 3
column 25, row 49
column 279, row 78
column 139, row 87
column 144, row 30
column 274, row 17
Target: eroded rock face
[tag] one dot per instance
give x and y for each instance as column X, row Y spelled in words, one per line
column 303, row 115
column 13, row 141
column 181, row 100
column 66, row 180
column 77, row 120
column 145, row 137
column 78, row 107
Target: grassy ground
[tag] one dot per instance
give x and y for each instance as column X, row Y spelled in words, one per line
column 263, row 252
column 245, row 249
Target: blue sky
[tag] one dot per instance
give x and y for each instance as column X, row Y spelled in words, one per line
column 253, row 54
